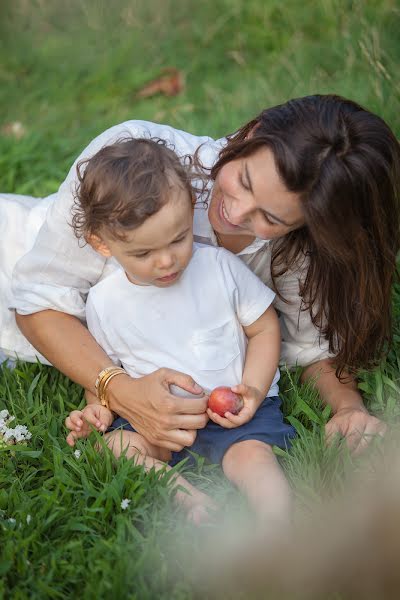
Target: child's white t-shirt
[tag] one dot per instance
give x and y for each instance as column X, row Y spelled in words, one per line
column 193, row 326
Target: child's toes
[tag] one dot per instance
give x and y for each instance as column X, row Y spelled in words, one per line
column 201, row 513
column 198, row 515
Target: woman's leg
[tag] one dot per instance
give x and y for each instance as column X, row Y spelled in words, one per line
column 20, row 220
column 252, row 466
column 136, row 447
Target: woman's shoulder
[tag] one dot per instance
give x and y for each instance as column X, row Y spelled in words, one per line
column 181, row 141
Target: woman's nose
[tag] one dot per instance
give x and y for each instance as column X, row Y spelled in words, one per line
column 241, row 209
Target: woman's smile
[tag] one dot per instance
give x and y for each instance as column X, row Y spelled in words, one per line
column 224, row 215
column 250, row 198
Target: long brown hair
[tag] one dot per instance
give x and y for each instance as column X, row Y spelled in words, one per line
column 344, row 162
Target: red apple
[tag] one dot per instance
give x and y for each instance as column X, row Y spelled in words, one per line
column 223, row 400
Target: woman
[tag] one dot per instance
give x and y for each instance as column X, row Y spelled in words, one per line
column 308, row 195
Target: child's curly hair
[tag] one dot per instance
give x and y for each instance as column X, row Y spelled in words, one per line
column 125, row 183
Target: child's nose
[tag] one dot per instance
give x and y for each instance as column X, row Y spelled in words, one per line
column 165, row 260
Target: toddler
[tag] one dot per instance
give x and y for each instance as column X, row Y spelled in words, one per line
column 189, row 307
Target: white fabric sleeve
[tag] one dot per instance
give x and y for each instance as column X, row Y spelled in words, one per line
column 20, row 220
column 58, row 272
column 249, row 296
column 301, row 341
column 95, row 328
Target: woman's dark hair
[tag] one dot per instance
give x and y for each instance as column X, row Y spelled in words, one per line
column 125, row 183
column 344, row 162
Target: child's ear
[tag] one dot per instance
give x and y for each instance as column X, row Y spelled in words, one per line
column 98, row 244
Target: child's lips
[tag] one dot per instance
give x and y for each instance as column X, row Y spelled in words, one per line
column 168, row 277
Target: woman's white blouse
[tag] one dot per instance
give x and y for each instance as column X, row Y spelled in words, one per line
column 54, row 271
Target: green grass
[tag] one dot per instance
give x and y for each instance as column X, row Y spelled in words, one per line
column 67, row 72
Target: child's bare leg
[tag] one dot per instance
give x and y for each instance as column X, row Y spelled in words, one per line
column 195, row 502
column 252, row 466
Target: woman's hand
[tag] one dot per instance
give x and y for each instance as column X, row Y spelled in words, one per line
column 163, row 419
column 356, row 425
column 251, row 402
column 350, row 419
column 82, row 422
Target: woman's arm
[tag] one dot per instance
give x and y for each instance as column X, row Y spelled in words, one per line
column 164, row 419
column 350, row 417
column 303, row 345
column 66, row 343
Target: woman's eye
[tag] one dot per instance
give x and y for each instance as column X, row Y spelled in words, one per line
column 268, row 220
column 243, row 183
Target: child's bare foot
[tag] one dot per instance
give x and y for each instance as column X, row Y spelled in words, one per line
column 199, row 507
column 202, row 512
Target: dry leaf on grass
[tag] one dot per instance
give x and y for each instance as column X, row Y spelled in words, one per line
column 170, row 83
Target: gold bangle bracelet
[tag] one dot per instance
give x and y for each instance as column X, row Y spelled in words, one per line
column 103, row 379
column 103, row 397
column 101, row 375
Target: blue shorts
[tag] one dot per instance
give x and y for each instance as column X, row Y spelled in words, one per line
column 213, row 441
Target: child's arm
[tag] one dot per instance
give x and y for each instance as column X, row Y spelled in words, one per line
column 263, row 351
column 81, row 422
column 262, row 358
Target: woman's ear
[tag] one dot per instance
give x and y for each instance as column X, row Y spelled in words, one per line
column 99, row 245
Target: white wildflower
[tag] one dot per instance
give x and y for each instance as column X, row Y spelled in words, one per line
column 28, row 519
column 11, row 435
column 5, row 420
column 11, row 521
column 125, row 503
column 21, row 433
column 8, row 433
column 77, row 453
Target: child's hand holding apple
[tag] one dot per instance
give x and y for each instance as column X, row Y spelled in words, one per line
column 232, row 407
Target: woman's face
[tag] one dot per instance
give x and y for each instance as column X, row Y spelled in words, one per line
column 249, row 198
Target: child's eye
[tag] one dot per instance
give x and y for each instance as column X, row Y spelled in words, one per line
column 143, row 255
column 179, row 240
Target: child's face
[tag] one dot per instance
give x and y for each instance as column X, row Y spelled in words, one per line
column 158, row 251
